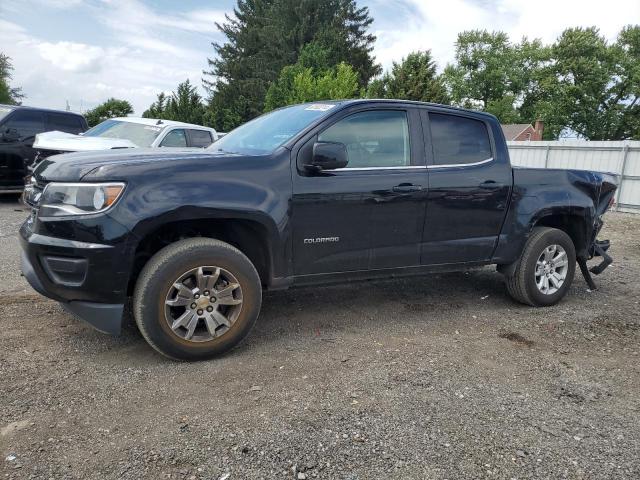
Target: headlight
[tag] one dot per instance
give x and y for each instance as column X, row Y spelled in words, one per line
column 65, row 199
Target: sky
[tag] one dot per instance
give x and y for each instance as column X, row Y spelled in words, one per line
column 83, row 52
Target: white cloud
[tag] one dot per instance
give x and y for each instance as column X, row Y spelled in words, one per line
column 140, row 50
column 144, row 53
column 133, row 16
column 434, row 24
column 73, row 57
column 60, row 3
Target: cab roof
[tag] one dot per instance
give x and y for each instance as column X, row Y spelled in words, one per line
column 404, row 102
column 157, row 122
column 26, row 107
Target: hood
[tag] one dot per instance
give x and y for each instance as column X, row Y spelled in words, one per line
column 72, row 167
column 67, row 142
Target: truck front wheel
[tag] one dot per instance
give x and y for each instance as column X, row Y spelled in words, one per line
column 545, row 270
column 197, row 298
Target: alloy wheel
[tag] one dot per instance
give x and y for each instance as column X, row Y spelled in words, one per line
column 551, row 269
column 203, row 303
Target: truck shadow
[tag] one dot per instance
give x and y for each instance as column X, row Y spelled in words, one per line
column 373, row 308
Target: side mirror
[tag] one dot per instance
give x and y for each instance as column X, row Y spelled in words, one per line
column 11, row 135
column 328, row 156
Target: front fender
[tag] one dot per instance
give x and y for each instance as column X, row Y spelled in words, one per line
column 255, row 189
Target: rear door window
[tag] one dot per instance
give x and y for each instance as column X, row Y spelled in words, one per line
column 200, row 138
column 64, row 123
column 458, row 140
column 28, row 123
column 175, row 138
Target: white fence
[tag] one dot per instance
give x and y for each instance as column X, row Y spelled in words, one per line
column 621, row 158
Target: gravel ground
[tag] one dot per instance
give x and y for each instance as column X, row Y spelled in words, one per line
column 431, row 378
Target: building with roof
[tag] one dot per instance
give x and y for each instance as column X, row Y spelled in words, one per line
column 523, row 131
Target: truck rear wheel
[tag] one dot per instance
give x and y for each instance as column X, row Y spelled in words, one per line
column 197, row 298
column 545, row 270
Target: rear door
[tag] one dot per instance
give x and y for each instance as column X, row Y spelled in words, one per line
column 469, row 189
column 199, row 138
column 370, row 214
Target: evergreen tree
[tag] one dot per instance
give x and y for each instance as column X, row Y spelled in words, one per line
column 183, row 105
column 157, row 108
column 414, row 78
column 264, row 36
column 8, row 95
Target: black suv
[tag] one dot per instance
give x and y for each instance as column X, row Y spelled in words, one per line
column 309, row 194
column 18, row 128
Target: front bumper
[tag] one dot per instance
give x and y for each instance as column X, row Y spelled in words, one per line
column 88, row 279
column 105, row 317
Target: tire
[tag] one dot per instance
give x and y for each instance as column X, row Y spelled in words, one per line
column 193, row 263
column 523, row 285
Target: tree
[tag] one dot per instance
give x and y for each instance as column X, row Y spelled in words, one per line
column 592, row 88
column 109, row 109
column 183, row 105
column 264, row 36
column 414, row 78
column 8, row 95
column 313, row 77
column 298, row 84
column 492, row 74
column 157, row 108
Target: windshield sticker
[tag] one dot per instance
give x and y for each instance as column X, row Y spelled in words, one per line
column 320, row 107
column 155, row 129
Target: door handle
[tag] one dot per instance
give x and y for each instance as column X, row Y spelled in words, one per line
column 407, row 188
column 491, row 185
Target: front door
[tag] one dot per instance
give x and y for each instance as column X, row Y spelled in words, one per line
column 469, row 189
column 16, row 155
column 370, row 214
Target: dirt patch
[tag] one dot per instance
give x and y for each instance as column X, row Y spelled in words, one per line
column 516, row 338
column 402, row 379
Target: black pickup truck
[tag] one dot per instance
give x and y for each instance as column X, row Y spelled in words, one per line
column 18, row 128
column 309, row 194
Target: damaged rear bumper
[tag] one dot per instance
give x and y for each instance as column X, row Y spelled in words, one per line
column 598, row 249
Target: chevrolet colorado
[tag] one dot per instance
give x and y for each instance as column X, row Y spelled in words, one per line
column 307, row 194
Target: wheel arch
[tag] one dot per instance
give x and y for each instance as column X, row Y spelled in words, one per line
column 570, row 223
column 573, row 224
column 251, row 236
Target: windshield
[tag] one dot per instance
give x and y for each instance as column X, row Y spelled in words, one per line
column 267, row 132
column 141, row 135
column 4, row 111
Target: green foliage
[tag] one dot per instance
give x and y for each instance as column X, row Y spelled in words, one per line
column 183, row 105
column 312, row 78
column 592, row 87
column 492, row 74
column 579, row 85
column 414, row 78
column 8, row 95
column 156, row 110
column 265, row 36
column 109, row 109
column 298, row 85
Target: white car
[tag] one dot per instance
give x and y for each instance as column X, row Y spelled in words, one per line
column 126, row 132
